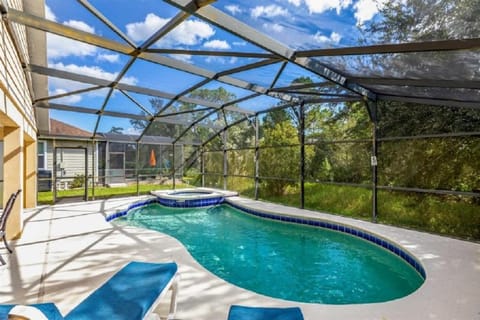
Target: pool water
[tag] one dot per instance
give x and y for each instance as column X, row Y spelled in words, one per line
column 189, row 193
column 283, row 260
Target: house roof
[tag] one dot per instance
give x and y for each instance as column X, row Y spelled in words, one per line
column 59, row 128
column 62, row 129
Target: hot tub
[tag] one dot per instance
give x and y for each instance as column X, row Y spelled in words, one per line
column 192, row 197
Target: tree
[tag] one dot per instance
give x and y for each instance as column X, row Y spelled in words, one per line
column 333, row 158
column 425, row 20
column 325, row 124
column 279, row 161
column 429, row 163
column 157, row 128
column 441, row 163
column 417, row 21
column 117, row 130
column 280, row 139
column 219, row 119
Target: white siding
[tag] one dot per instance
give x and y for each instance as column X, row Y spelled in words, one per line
column 12, row 75
column 72, row 160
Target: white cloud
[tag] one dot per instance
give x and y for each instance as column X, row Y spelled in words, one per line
column 233, row 9
column 59, row 47
column 80, row 25
column 65, row 100
column 217, row 44
column 131, row 131
column 333, row 39
column 95, row 71
column 182, row 57
column 140, row 31
column 112, row 58
column 296, row 3
column 190, row 33
column 60, row 86
column 49, row 15
column 239, row 43
column 366, row 9
column 216, row 60
column 275, row 27
column 317, row 6
column 221, row 60
column 336, row 37
column 268, row 11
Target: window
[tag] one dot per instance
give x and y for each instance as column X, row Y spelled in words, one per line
column 42, row 155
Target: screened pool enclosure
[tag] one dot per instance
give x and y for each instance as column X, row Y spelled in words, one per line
column 374, row 118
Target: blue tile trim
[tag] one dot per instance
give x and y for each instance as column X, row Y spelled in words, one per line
column 340, row 228
column 190, row 203
column 130, row 207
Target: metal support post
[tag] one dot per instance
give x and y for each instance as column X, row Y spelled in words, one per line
column 225, row 160
column 94, row 151
column 373, row 111
column 202, row 167
column 302, row 154
column 54, row 175
column 257, row 155
column 107, row 170
column 85, row 196
column 137, row 164
column 173, row 165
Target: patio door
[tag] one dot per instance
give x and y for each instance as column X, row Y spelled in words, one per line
column 70, row 174
column 116, row 168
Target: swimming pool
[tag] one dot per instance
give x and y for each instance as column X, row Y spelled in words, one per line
column 283, row 260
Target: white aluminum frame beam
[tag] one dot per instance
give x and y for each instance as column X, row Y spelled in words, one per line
column 171, row 120
column 122, row 86
column 427, row 46
column 85, row 37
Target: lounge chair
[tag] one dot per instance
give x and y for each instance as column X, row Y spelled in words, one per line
column 261, row 313
column 49, row 310
column 3, row 221
column 132, row 293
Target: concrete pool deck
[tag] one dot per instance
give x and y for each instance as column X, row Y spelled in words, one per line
column 68, row 250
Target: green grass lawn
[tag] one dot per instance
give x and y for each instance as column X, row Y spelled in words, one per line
column 442, row 214
column 46, row 197
column 446, row 215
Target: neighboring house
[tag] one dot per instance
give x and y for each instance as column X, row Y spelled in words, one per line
column 70, row 155
column 59, row 128
column 113, row 162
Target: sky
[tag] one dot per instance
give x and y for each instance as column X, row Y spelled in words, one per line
column 299, row 24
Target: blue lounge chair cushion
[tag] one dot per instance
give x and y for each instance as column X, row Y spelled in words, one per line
column 129, row 294
column 256, row 313
column 48, row 309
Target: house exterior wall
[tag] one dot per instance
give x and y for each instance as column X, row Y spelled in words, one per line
column 17, row 121
column 13, row 80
